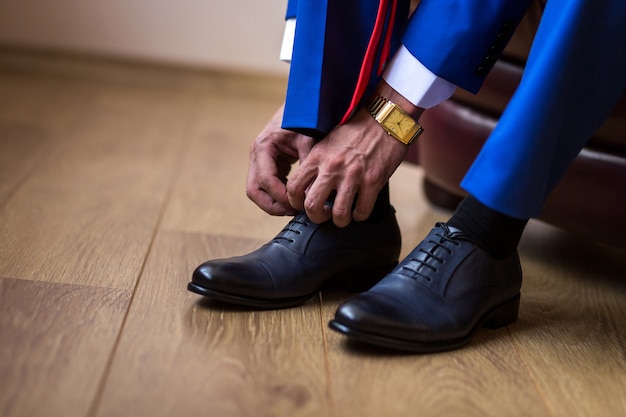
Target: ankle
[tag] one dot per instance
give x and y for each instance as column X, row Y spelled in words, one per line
column 492, row 231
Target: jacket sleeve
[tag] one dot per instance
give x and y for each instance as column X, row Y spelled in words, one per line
column 292, row 6
column 460, row 40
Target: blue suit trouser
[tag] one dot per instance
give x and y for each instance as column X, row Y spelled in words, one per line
column 574, row 76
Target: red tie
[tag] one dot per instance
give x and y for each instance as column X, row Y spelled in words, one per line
column 370, row 54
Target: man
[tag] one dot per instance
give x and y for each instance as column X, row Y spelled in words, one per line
column 349, row 125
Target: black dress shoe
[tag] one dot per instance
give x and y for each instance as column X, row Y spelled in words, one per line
column 303, row 257
column 436, row 298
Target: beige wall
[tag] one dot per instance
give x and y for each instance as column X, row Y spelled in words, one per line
column 243, row 34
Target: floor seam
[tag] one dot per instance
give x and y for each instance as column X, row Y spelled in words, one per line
column 95, row 405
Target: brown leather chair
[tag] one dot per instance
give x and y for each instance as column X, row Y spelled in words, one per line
column 590, row 199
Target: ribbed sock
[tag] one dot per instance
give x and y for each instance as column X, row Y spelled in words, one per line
column 492, row 231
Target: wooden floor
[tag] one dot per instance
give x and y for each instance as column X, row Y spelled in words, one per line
column 116, row 180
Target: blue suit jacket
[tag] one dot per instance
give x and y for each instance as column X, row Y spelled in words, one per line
column 575, row 73
column 459, row 40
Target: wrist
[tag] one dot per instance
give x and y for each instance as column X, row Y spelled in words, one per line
column 385, row 90
column 395, row 114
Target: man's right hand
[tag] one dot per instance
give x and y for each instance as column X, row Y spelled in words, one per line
column 272, row 154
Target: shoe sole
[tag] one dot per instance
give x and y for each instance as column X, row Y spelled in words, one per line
column 249, row 302
column 499, row 316
column 354, row 282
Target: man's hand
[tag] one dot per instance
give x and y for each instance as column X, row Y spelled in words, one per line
column 355, row 160
column 271, row 155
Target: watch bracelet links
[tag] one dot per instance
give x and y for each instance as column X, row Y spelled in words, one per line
column 377, row 103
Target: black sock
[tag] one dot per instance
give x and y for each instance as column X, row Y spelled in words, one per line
column 492, row 231
column 382, row 206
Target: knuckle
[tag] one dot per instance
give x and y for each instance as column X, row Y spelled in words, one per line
column 292, row 188
column 373, row 177
column 334, row 163
column 341, row 220
column 341, row 212
column 263, row 182
column 310, row 206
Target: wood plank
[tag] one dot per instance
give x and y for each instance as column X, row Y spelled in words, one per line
column 56, row 341
column 565, row 356
column 95, row 155
column 21, row 148
column 180, row 355
column 32, row 113
column 87, row 213
column 210, row 195
column 573, row 329
column 486, row 378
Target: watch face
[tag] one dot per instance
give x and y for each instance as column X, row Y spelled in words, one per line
column 398, row 123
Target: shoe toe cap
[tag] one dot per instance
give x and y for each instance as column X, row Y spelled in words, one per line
column 379, row 314
column 234, row 278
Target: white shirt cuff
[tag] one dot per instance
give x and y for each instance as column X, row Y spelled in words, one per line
column 405, row 73
column 409, row 77
column 286, row 49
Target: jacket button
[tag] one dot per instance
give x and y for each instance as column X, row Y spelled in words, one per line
column 481, row 71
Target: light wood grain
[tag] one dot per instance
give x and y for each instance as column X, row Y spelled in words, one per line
column 32, row 112
column 486, row 378
column 55, row 341
column 209, row 194
column 21, row 147
column 573, row 332
column 117, row 179
column 180, row 355
column 88, row 210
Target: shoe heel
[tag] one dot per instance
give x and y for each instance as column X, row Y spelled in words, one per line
column 360, row 281
column 503, row 315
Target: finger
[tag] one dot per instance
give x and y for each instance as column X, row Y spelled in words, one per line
column 304, row 148
column 318, row 204
column 342, row 206
column 269, row 205
column 299, row 184
column 365, row 201
column 264, row 173
column 264, row 200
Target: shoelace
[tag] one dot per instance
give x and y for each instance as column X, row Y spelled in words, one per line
column 283, row 234
column 415, row 264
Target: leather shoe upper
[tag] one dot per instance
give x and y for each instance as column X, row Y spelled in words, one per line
column 440, row 292
column 304, row 256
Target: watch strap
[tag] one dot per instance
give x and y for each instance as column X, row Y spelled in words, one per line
column 380, row 108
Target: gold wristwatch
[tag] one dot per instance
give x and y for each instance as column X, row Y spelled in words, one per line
column 394, row 120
